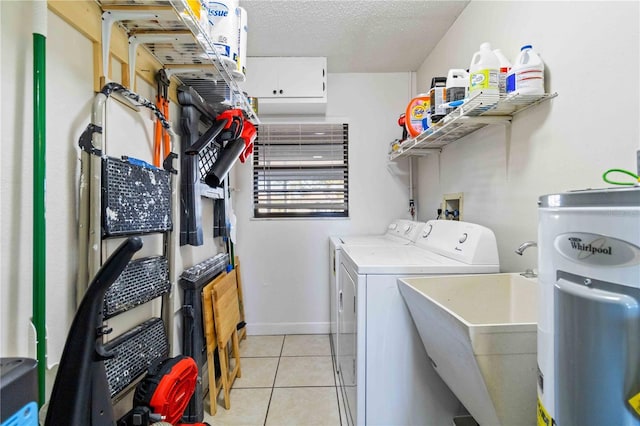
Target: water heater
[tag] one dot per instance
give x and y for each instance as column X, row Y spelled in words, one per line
column 589, row 309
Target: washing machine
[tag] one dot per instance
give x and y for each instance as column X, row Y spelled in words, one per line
column 589, row 310
column 384, row 371
column 398, row 232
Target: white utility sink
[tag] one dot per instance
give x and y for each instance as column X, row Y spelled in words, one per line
column 480, row 334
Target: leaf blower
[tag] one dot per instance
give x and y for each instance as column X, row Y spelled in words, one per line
column 235, row 135
column 237, row 138
column 164, row 393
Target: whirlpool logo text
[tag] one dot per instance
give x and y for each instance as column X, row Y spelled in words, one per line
column 596, row 249
column 598, row 246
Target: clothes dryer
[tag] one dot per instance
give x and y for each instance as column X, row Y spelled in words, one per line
column 399, row 232
column 384, row 370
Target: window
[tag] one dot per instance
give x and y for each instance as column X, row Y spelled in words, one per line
column 301, row 170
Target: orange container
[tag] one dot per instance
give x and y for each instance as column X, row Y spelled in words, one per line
column 417, row 117
column 195, row 7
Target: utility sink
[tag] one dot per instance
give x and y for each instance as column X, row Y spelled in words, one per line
column 480, row 334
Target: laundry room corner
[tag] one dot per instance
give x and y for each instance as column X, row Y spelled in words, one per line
column 502, row 170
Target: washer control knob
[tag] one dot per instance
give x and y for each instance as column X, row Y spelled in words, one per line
column 393, row 226
column 427, row 230
column 407, row 228
column 463, row 238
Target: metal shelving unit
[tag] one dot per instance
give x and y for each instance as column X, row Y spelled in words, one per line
column 479, row 111
column 170, row 31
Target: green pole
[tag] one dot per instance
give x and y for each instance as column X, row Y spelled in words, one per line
column 39, row 228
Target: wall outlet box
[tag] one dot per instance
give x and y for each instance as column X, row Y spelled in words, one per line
column 452, row 206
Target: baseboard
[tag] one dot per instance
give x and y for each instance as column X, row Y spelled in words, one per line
column 270, row 328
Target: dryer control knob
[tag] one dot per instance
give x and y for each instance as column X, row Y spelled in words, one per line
column 393, row 226
column 407, row 228
column 463, row 238
column 427, row 231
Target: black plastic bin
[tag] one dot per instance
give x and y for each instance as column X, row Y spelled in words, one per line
column 19, row 390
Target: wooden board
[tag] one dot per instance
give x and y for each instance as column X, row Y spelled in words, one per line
column 242, row 333
column 215, row 384
column 227, row 315
column 86, row 17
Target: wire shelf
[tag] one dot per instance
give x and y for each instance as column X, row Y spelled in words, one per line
column 479, row 111
column 191, row 46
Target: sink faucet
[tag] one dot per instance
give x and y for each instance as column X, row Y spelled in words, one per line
column 525, row 246
column 520, row 250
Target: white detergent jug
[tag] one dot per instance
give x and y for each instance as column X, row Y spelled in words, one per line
column 505, row 67
column 527, row 74
column 484, row 71
column 457, row 86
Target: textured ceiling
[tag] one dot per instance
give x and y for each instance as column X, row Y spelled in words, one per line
column 354, row 35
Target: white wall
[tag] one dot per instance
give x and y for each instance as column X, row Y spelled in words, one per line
column 69, row 97
column 591, row 52
column 285, row 263
column 69, row 88
column 16, row 93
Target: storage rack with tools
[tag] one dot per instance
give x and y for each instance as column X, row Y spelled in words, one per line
column 172, row 34
column 120, row 197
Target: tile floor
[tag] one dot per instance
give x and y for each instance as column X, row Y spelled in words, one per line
column 286, row 380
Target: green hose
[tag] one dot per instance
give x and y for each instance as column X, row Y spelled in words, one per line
column 636, row 178
column 39, row 228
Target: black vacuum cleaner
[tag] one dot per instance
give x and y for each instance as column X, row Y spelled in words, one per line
column 81, row 395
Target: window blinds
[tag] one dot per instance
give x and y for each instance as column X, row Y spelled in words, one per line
column 301, row 170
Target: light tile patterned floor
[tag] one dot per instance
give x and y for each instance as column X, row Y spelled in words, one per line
column 286, row 380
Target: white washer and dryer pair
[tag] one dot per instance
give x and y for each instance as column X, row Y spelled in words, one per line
column 399, row 232
column 385, row 374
